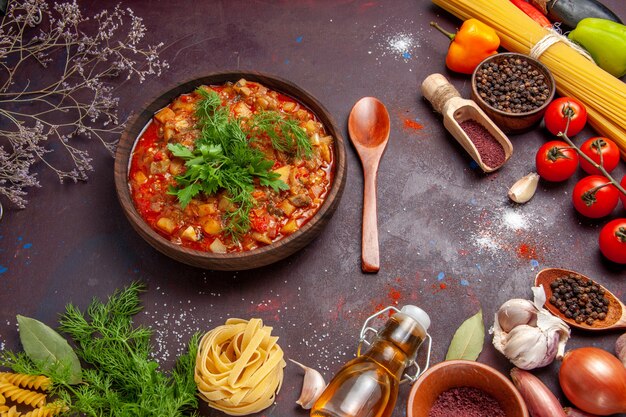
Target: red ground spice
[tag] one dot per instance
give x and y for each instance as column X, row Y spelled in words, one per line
column 394, row 296
column 412, row 124
column 490, row 150
column 525, row 251
column 465, row 402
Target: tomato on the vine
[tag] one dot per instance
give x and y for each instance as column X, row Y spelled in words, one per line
column 613, row 241
column 595, row 147
column 594, row 196
column 556, row 161
column 557, row 114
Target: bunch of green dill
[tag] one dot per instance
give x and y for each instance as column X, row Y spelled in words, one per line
column 121, row 379
column 223, row 158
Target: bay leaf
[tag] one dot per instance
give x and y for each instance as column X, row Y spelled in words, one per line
column 49, row 349
column 468, row 340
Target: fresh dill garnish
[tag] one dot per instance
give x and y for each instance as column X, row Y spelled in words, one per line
column 285, row 133
column 122, row 378
column 223, row 157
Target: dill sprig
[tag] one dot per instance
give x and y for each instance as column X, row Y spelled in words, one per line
column 122, row 380
column 222, row 158
column 285, row 133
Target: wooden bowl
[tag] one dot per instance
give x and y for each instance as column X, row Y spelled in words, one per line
column 240, row 260
column 460, row 373
column 514, row 122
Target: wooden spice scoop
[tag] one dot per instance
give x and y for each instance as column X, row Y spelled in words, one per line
column 455, row 110
column 616, row 316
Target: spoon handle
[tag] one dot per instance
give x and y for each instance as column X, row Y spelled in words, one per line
column 369, row 242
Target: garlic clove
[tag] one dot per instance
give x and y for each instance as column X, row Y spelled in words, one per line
column 524, row 189
column 514, row 313
column 555, row 328
column 527, row 347
column 312, row 386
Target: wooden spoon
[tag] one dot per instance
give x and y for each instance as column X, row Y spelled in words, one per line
column 615, row 318
column 368, row 126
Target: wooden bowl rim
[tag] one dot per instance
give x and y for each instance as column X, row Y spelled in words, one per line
column 532, row 61
column 128, row 142
column 490, row 371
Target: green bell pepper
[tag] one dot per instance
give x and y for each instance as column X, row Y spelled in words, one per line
column 605, row 41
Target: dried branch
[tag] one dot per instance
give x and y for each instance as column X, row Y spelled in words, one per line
column 78, row 101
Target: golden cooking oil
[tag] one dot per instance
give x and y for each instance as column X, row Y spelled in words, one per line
column 368, row 385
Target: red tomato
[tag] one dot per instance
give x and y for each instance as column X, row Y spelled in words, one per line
column 556, row 161
column 592, row 198
column 613, row 241
column 622, row 196
column 557, row 113
column 259, row 220
column 593, row 148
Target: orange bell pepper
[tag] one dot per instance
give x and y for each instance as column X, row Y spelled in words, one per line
column 473, row 42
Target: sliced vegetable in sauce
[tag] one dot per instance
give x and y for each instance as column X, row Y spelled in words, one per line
column 231, row 168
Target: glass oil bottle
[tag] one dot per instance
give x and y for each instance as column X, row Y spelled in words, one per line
column 368, row 385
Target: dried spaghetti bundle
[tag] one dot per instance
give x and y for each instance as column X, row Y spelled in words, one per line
column 602, row 94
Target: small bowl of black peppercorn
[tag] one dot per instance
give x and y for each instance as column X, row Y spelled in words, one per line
column 513, row 89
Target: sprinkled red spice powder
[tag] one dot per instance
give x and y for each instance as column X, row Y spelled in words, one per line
column 394, row 296
column 525, row 251
column 412, row 124
column 490, row 150
column 393, row 299
column 466, row 402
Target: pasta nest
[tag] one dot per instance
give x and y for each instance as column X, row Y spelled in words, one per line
column 239, row 367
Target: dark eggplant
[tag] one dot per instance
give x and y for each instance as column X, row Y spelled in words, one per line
column 570, row 12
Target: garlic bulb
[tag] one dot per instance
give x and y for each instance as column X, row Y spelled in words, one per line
column 312, row 386
column 527, row 334
column 524, row 189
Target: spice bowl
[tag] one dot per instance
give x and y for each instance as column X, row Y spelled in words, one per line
column 460, row 373
column 538, row 84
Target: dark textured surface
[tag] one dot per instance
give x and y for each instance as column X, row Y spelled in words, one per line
column 450, row 240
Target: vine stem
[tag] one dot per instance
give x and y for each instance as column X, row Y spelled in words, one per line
column 599, row 166
column 593, row 163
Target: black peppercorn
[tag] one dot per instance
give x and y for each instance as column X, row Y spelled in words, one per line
column 525, row 87
column 579, row 299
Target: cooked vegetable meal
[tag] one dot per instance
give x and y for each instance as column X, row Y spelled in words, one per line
column 231, row 168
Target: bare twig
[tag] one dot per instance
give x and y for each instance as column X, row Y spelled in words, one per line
column 78, row 102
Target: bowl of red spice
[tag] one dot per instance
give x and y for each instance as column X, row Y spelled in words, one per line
column 513, row 89
column 464, row 388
